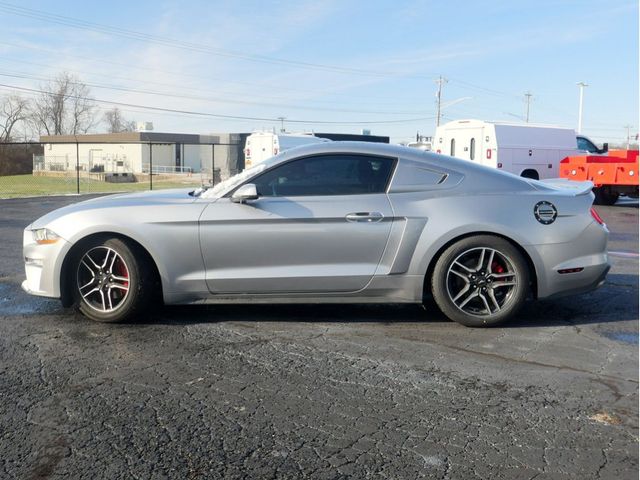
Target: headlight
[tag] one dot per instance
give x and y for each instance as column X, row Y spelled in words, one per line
column 44, row 236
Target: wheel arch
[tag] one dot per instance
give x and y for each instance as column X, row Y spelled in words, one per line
column 531, row 173
column 432, row 262
column 66, row 288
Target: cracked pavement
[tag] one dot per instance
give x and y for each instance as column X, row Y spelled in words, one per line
column 320, row 391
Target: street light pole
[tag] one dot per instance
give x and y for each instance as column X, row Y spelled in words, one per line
column 528, row 96
column 581, row 85
column 282, row 119
column 628, row 127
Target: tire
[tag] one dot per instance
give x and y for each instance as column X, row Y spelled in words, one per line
column 112, row 280
column 604, row 196
column 480, row 281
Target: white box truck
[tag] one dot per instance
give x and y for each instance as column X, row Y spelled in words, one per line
column 527, row 150
column 262, row 145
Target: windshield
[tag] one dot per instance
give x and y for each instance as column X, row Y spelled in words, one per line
column 232, row 182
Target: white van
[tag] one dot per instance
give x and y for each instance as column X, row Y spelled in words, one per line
column 262, row 145
column 527, row 150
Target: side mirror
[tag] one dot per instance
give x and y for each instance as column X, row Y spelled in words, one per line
column 605, row 147
column 246, row 192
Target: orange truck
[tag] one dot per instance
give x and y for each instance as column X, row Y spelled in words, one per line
column 612, row 175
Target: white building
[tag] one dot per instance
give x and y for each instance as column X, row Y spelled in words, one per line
column 141, row 152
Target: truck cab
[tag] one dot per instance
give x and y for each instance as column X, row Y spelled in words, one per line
column 587, row 145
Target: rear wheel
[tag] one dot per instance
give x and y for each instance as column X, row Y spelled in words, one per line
column 112, row 280
column 480, row 281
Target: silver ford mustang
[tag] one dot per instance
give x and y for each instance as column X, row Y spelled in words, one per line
column 340, row 222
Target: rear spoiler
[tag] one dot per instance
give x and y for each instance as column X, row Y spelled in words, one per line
column 577, row 188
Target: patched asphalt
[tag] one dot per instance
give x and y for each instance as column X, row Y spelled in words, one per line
column 320, row 391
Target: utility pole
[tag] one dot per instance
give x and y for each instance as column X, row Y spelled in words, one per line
column 282, row 119
column 527, row 97
column 628, row 127
column 581, row 85
column 440, row 81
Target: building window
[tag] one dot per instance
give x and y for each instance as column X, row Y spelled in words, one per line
column 453, row 147
column 472, row 149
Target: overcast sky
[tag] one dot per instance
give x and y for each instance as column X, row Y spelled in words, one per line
column 334, row 66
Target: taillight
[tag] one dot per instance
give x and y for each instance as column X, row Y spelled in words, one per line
column 597, row 217
column 247, row 152
column 571, row 270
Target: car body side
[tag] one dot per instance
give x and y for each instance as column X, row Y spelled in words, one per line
column 434, row 200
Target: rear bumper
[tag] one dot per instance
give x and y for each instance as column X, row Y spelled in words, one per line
column 588, row 252
column 581, row 287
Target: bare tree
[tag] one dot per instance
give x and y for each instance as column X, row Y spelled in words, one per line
column 83, row 109
column 64, row 107
column 14, row 159
column 14, row 110
column 116, row 123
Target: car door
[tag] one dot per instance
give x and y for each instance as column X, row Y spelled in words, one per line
column 320, row 224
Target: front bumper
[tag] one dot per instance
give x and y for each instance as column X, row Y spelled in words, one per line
column 43, row 264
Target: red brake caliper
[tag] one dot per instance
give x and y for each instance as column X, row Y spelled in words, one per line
column 496, row 267
column 121, row 271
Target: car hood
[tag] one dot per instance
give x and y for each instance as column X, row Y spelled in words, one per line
column 137, row 199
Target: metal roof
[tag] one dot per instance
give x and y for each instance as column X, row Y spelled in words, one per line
column 130, row 137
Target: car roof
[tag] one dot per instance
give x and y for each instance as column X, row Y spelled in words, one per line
column 372, row 148
column 430, row 159
column 487, row 178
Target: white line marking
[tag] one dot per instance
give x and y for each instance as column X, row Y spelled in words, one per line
column 624, row 254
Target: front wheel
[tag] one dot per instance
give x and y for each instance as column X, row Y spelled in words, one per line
column 480, row 281
column 112, row 280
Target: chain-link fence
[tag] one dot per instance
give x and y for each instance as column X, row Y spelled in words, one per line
column 61, row 168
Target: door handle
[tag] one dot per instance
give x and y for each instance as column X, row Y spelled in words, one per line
column 364, row 217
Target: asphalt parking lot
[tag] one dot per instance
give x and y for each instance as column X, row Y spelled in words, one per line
column 323, row 392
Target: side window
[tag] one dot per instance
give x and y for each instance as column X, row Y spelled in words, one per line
column 472, row 149
column 327, row 175
column 453, row 147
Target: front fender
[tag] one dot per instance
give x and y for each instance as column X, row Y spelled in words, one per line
column 169, row 233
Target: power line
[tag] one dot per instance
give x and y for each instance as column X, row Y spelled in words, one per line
column 166, row 41
column 170, row 42
column 101, row 61
column 206, row 99
column 216, row 115
column 44, row 16
column 479, row 88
